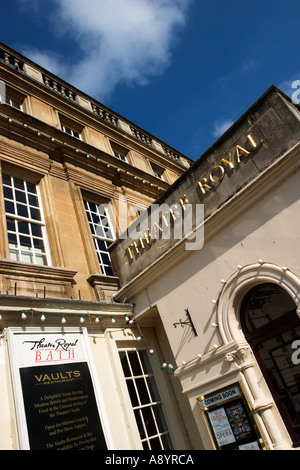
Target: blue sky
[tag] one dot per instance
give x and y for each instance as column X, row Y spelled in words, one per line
column 181, row 69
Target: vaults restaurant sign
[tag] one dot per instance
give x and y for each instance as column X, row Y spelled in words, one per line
column 59, row 409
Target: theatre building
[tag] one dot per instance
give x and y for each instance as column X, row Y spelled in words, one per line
column 224, row 297
column 146, row 301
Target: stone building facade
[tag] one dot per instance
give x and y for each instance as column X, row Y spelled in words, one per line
column 73, row 175
column 146, row 301
column 225, row 295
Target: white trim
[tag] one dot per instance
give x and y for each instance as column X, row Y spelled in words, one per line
column 239, row 284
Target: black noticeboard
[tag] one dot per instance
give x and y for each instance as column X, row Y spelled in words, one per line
column 60, row 408
column 229, row 420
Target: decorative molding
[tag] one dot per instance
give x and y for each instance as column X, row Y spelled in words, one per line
column 89, row 182
column 104, row 286
column 25, row 157
column 18, row 269
column 240, row 283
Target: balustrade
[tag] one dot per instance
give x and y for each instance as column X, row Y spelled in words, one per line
column 141, row 136
column 59, row 88
column 105, row 115
column 11, row 59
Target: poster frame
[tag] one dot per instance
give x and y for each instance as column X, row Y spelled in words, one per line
column 15, row 366
column 242, row 396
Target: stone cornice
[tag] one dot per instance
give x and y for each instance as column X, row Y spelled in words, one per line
column 12, row 62
column 280, row 169
column 18, row 269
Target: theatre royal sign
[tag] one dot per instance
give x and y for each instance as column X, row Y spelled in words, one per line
column 177, row 220
column 231, row 162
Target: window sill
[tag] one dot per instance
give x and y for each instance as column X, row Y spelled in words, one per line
column 31, row 279
column 104, row 286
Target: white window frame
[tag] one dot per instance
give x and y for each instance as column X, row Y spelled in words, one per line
column 21, row 251
column 158, row 175
column 7, row 99
column 72, row 132
column 138, row 409
column 120, row 156
column 157, row 171
column 106, row 267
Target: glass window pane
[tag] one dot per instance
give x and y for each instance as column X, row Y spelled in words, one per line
column 8, row 194
column 26, row 257
column 31, row 188
column 105, row 258
column 145, row 362
column 23, row 227
column 19, row 184
column 101, row 209
column 109, row 271
column 93, row 207
column 134, row 362
column 166, row 440
column 25, row 242
column 12, row 240
column 36, row 230
column 10, row 223
column 41, row 260
column 149, row 421
column 20, row 197
column 142, row 391
column 145, row 445
column 35, row 214
column 9, row 207
column 132, row 393
column 125, row 365
column 38, row 244
column 155, row 443
column 101, row 245
column 14, row 255
column 6, row 180
column 160, row 419
column 33, row 201
column 139, row 424
column 22, row 211
column 153, row 389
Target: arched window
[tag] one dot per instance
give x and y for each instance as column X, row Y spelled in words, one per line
column 271, row 325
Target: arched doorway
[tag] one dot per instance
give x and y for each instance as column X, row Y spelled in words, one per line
column 271, row 325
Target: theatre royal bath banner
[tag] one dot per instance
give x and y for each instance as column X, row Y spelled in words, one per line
column 56, row 401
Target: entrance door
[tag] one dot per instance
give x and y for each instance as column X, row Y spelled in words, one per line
column 271, row 325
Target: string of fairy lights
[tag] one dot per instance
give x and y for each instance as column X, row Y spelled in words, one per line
column 129, row 322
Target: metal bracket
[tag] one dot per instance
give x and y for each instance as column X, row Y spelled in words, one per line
column 188, row 322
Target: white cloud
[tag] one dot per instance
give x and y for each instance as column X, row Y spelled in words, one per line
column 48, row 60
column 221, row 126
column 118, row 41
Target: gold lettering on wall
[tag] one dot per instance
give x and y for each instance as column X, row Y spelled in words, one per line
column 217, row 172
column 229, row 162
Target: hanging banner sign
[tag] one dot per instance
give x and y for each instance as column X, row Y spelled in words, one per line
column 58, row 409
